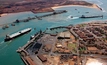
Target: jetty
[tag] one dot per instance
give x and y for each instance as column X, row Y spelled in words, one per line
column 40, row 17
column 25, row 56
column 4, row 26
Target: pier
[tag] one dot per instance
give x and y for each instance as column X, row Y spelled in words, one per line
column 25, row 56
column 28, row 44
column 40, row 17
column 4, row 26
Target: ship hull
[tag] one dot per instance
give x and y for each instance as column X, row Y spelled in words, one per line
column 8, row 39
column 92, row 17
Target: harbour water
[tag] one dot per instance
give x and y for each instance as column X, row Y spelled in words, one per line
column 8, row 55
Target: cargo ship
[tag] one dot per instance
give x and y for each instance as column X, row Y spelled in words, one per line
column 83, row 16
column 17, row 34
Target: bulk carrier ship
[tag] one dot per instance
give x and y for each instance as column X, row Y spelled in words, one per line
column 17, row 34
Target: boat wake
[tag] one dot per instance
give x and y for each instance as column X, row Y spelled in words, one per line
column 3, row 47
column 1, row 42
column 103, row 10
column 71, row 17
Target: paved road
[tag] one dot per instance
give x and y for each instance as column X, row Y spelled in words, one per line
column 36, row 60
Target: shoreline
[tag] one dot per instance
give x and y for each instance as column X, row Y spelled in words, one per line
column 5, row 14
column 93, row 21
column 93, row 6
column 1, row 15
column 56, row 7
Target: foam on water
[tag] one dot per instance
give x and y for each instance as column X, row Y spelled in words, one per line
column 3, row 47
column 1, row 42
column 70, row 17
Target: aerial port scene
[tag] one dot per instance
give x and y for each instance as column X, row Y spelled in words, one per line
column 53, row 32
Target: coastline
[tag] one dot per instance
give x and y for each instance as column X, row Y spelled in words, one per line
column 3, row 14
column 56, row 7
column 93, row 6
column 93, row 21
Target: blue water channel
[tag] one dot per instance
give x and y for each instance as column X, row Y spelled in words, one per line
column 8, row 54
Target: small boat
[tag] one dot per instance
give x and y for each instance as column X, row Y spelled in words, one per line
column 31, row 37
column 75, row 9
column 17, row 34
column 71, row 16
column 34, row 28
column 86, row 12
column 17, row 21
column 12, row 24
column 5, row 26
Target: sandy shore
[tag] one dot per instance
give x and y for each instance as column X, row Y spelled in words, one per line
column 93, row 6
column 3, row 14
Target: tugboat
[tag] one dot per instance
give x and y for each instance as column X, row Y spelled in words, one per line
column 12, row 24
column 5, row 26
column 86, row 12
column 17, row 34
column 71, row 16
column 17, row 21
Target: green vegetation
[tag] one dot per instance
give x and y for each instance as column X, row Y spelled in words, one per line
column 72, row 47
column 82, row 25
column 82, row 49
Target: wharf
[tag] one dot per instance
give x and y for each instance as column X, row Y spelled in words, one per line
column 36, row 17
column 25, row 56
column 66, row 45
column 28, row 44
column 39, row 17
